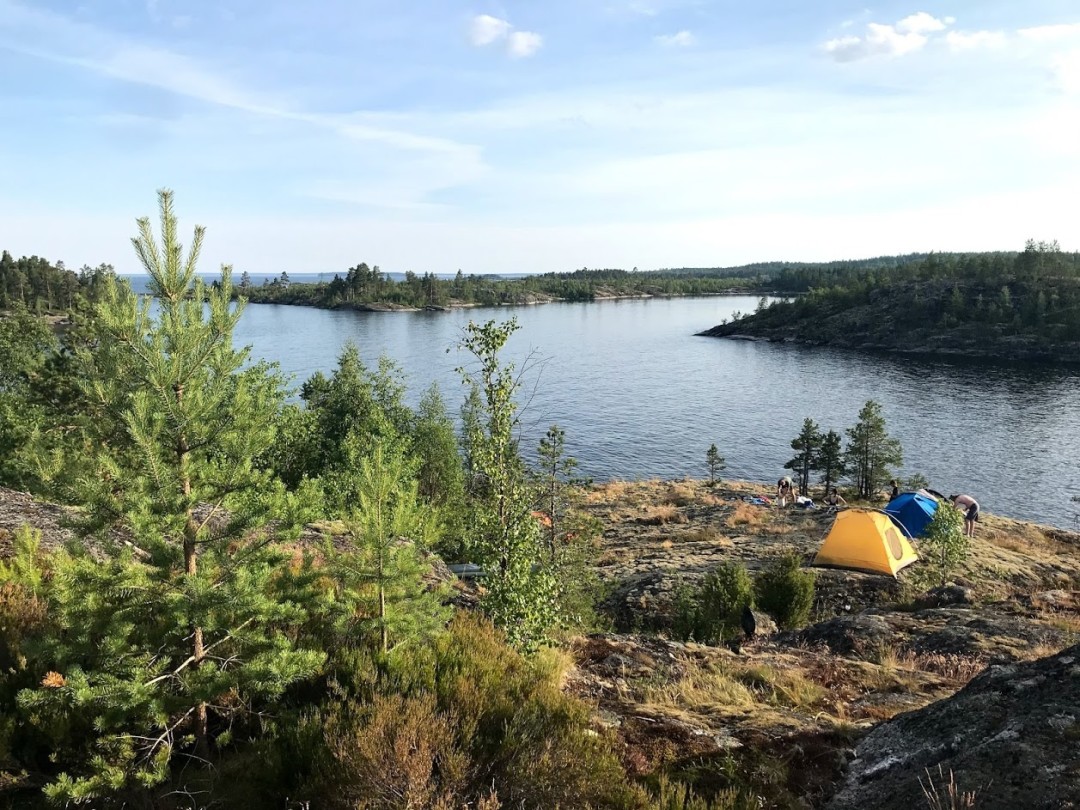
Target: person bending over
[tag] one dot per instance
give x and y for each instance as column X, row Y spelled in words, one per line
column 970, row 507
column 784, row 491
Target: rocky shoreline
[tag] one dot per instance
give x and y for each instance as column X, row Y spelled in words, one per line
column 918, row 346
column 533, row 299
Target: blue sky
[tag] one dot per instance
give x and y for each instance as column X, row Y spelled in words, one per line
column 527, row 136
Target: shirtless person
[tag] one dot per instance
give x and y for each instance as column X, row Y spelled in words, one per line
column 970, row 507
column 784, row 491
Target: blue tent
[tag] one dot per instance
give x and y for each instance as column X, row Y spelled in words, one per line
column 912, row 511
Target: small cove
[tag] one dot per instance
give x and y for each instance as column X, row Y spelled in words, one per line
column 640, row 396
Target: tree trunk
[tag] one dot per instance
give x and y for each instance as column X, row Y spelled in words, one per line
column 191, row 568
column 384, row 635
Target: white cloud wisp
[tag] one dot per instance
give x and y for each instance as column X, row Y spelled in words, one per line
column 906, row 36
column 487, row 30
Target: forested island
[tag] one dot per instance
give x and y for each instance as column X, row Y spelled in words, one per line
column 368, row 288
column 1023, row 306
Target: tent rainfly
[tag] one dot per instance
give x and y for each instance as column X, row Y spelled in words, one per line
column 912, row 511
column 865, row 540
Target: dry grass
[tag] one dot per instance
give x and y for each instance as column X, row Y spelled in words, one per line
column 1036, row 651
column 679, row 495
column 957, row 669
column 1065, row 622
column 736, row 685
column 704, row 534
column 945, row 795
column 1011, row 542
column 702, row 686
column 623, row 493
column 782, row 687
column 747, row 514
column 661, row 515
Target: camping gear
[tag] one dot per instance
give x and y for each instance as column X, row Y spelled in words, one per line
column 912, row 511
column 866, row 540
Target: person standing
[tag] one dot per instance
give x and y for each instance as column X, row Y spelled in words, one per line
column 895, row 491
column 784, row 491
column 970, row 507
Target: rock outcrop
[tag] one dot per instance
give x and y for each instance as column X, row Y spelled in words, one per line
column 1010, row 736
column 18, row 509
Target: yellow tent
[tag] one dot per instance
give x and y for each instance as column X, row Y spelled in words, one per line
column 868, row 541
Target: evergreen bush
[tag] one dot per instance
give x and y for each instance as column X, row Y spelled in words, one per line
column 712, row 612
column 785, row 591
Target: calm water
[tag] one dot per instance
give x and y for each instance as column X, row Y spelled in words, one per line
column 640, row 396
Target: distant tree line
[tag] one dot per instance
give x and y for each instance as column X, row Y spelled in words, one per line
column 38, row 285
column 365, row 285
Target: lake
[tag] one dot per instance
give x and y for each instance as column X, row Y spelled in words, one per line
column 639, row 396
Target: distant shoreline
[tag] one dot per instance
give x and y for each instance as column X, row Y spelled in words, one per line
column 533, row 301
column 1064, row 355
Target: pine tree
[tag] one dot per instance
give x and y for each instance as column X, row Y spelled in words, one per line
column 808, row 446
column 379, row 577
column 441, row 476
column 354, row 401
column 435, row 445
column 555, row 481
column 181, row 631
column 521, row 590
column 715, row 462
column 471, row 425
column 871, row 452
column 830, row 459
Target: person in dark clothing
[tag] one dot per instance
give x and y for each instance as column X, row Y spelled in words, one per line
column 895, row 490
column 833, row 499
column 749, row 623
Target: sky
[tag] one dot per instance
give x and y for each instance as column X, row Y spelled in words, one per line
column 521, row 136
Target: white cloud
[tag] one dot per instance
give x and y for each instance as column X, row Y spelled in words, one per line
column 923, row 23
column 971, row 40
column 523, row 44
column 907, row 36
column 683, row 39
column 1067, row 72
column 879, row 40
column 486, row 29
column 1051, row 33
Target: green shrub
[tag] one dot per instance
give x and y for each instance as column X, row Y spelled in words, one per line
column 466, row 721
column 785, row 591
column 723, row 595
column 945, row 541
column 711, row 612
column 684, row 611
